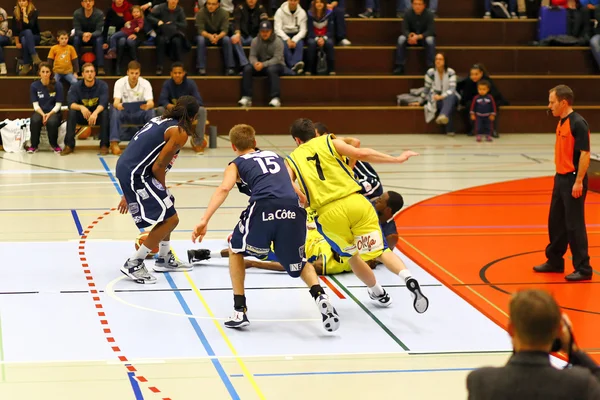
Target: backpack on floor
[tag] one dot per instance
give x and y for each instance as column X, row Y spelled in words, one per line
column 321, row 63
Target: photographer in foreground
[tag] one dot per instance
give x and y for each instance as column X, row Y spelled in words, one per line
column 537, row 328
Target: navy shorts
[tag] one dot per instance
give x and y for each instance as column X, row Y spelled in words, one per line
column 277, row 221
column 148, row 201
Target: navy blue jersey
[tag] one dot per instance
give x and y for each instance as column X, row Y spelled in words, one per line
column 369, row 180
column 264, row 176
column 144, row 148
column 483, row 106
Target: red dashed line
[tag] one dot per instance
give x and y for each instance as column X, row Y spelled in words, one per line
column 98, row 305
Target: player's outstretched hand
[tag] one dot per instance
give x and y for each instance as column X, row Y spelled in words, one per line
column 199, row 232
column 406, row 155
column 123, row 207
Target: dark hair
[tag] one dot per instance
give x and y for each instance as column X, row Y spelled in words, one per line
column 134, row 65
column 563, row 92
column 185, row 111
column 303, row 129
column 445, row 59
column 321, row 128
column 395, row 201
column 485, row 83
column 177, row 64
column 535, row 316
column 480, row 67
column 315, row 12
column 52, row 84
column 61, row 33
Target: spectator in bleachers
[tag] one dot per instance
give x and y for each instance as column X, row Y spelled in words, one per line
column 291, row 27
column 468, row 90
column 180, row 85
column 338, row 9
column 88, row 105
column 4, row 39
column 46, row 96
column 88, row 23
column 595, row 40
column 133, row 103
column 116, row 16
column 212, row 23
column 372, row 8
column 26, row 31
column 62, row 58
column 149, row 26
column 246, row 22
column 129, row 36
column 169, row 18
column 440, row 95
column 320, row 32
column 266, row 58
column 418, row 29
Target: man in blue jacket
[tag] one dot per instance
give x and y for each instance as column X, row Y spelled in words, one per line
column 180, row 85
column 88, row 105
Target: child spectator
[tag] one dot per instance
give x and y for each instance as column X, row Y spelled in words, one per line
column 46, row 97
column 483, row 111
column 130, row 28
column 26, row 32
column 63, row 59
column 4, row 39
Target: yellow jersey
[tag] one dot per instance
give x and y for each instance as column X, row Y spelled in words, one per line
column 322, row 173
column 317, row 246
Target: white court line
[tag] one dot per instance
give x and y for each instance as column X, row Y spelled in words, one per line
column 90, row 171
column 109, row 290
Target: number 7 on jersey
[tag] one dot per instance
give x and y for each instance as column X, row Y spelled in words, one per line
column 315, row 158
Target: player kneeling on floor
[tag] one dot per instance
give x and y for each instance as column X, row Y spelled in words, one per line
column 274, row 216
column 141, row 171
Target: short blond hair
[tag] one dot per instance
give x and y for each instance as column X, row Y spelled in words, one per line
column 242, row 136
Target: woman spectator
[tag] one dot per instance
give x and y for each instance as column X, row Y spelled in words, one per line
column 46, row 96
column 4, row 39
column 130, row 36
column 116, row 16
column 320, row 36
column 439, row 95
column 26, row 32
column 468, row 90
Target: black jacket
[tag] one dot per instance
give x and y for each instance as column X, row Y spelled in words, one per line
column 423, row 24
column 247, row 20
column 468, row 90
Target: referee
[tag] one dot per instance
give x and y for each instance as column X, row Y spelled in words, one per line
column 566, row 222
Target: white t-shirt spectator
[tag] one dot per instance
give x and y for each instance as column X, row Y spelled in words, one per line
column 141, row 92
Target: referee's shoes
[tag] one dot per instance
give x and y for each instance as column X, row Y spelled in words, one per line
column 573, row 277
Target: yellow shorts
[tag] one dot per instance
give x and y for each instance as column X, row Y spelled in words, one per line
column 350, row 225
column 317, row 246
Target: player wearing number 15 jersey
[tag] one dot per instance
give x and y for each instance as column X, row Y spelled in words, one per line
column 344, row 217
column 274, row 217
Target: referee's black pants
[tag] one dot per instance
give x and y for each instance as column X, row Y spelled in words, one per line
column 566, row 225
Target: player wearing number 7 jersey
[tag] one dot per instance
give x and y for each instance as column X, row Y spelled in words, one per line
column 274, row 216
column 345, row 218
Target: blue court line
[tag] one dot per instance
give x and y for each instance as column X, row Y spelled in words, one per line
column 203, row 339
column 136, row 386
column 484, row 227
column 384, row 371
column 111, row 176
column 77, row 222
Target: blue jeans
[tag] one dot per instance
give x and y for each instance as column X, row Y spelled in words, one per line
column 428, row 44
column 114, row 39
column 29, row 41
column 447, row 106
column 130, row 44
column 293, row 56
column 239, row 49
column 118, row 117
column 311, row 55
column 65, row 78
column 96, row 43
column 4, row 41
column 595, row 48
column 339, row 23
column 224, row 42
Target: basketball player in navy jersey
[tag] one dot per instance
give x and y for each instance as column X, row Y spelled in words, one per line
column 141, row 171
column 274, row 216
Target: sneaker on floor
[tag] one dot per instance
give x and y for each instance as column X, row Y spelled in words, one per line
column 420, row 302
column 367, row 14
column 441, row 119
column 345, row 42
column 57, row 150
column 245, row 101
column 298, row 68
column 237, row 320
column 198, row 255
column 31, row 150
column 331, row 319
column 384, row 300
column 170, row 264
column 487, row 15
column 275, row 102
column 136, row 271
column 488, row 138
column 478, row 138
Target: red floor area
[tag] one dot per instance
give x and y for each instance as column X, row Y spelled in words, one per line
column 483, row 242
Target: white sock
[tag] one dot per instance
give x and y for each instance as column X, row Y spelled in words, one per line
column 140, row 253
column 215, row 254
column 163, row 249
column 405, row 274
column 377, row 290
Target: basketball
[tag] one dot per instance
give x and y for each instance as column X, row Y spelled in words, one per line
column 88, row 57
column 140, row 240
column 83, row 132
column 200, row 148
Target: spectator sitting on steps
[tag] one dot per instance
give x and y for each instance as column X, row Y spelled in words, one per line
column 418, row 29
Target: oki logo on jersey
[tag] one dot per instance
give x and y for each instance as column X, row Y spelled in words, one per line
column 368, row 243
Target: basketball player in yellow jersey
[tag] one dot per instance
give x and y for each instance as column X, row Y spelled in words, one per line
column 345, row 218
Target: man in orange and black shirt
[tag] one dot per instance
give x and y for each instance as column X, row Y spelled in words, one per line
column 566, row 222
